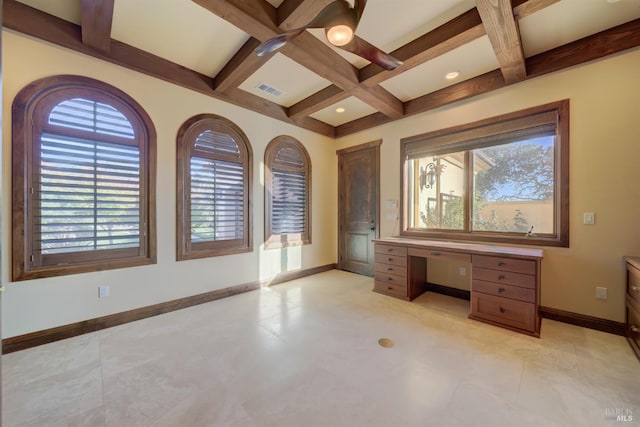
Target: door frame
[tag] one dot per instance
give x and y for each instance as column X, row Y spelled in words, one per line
column 341, row 186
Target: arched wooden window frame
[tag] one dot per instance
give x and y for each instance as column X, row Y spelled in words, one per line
column 273, row 239
column 31, row 109
column 186, row 139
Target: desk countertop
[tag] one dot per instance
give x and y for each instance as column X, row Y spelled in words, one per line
column 477, row 248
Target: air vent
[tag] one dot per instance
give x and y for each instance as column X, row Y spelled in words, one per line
column 269, row 89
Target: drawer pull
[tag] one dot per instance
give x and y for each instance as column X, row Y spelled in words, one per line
column 501, row 264
column 389, row 288
column 389, row 269
column 634, row 328
column 390, row 260
column 501, row 277
column 502, row 310
column 390, row 250
column 436, row 253
column 635, row 288
column 390, row 279
column 501, row 290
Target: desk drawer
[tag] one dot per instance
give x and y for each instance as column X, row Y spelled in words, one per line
column 633, row 284
column 391, row 290
column 391, row 250
column 506, row 291
column 391, row 259
column 391, row 279
column 505, row 264
column 517, row 314
column 444, row 255
column 633, row 328
column 391, row 269
column 506, row 277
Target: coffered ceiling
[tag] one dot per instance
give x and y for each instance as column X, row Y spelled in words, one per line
column 208, row 46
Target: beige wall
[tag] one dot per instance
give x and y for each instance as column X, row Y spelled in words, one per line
column 604, row 175
column 605, row 147
column 39, row 304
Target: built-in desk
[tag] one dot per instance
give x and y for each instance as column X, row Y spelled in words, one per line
column 632, row 298
column 505, row 281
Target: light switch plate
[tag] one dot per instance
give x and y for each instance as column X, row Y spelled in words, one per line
column 103, row 291
column 589, row 218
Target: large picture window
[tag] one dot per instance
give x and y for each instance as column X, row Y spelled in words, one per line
column 503, row 179
column 287, row 193
column 214, row 187
column 83, row 157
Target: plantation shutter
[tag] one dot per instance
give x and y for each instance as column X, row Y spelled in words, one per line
column 507, row 131
column 217, row 188
column 88, row 188
column 288, row 191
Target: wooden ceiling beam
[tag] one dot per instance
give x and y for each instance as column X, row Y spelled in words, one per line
column 291, row 14
column 600, row 45
column 451, row 35
column 27, row 20
column 318, row 101
column 502, row 30
column 524, row 8
column 240, row 67
column 254, row 18
column 96, row 18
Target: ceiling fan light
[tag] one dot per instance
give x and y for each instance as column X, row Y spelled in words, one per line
column 339, row 35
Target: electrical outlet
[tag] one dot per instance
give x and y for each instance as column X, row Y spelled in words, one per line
column 463, row 271
column 103, row 291
column 601, row 293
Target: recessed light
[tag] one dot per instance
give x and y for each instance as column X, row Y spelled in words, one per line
column 613, row 1
column 340, row 110
column 452, row 75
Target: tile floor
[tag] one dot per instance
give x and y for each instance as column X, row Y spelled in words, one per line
column 306, row 353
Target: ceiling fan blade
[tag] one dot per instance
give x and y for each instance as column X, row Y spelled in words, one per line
column 371, row 53
column 358, row 6
column 275, row 43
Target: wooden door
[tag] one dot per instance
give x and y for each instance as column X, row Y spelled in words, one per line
column 358, row 206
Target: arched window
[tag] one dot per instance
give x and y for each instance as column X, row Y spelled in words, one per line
column 83, row 179
column 214, row 162
column 287, row 193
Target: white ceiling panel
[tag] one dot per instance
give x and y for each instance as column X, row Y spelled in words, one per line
column 389, row 24
column 353, row 109
column 69, row 10
column 292, row 80
column 177, row 30
column 570, row 20
column 471, row 60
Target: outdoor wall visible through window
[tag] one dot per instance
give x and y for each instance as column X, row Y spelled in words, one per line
column 502, row 179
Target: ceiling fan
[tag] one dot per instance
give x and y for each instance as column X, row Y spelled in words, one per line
column 339, row 21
